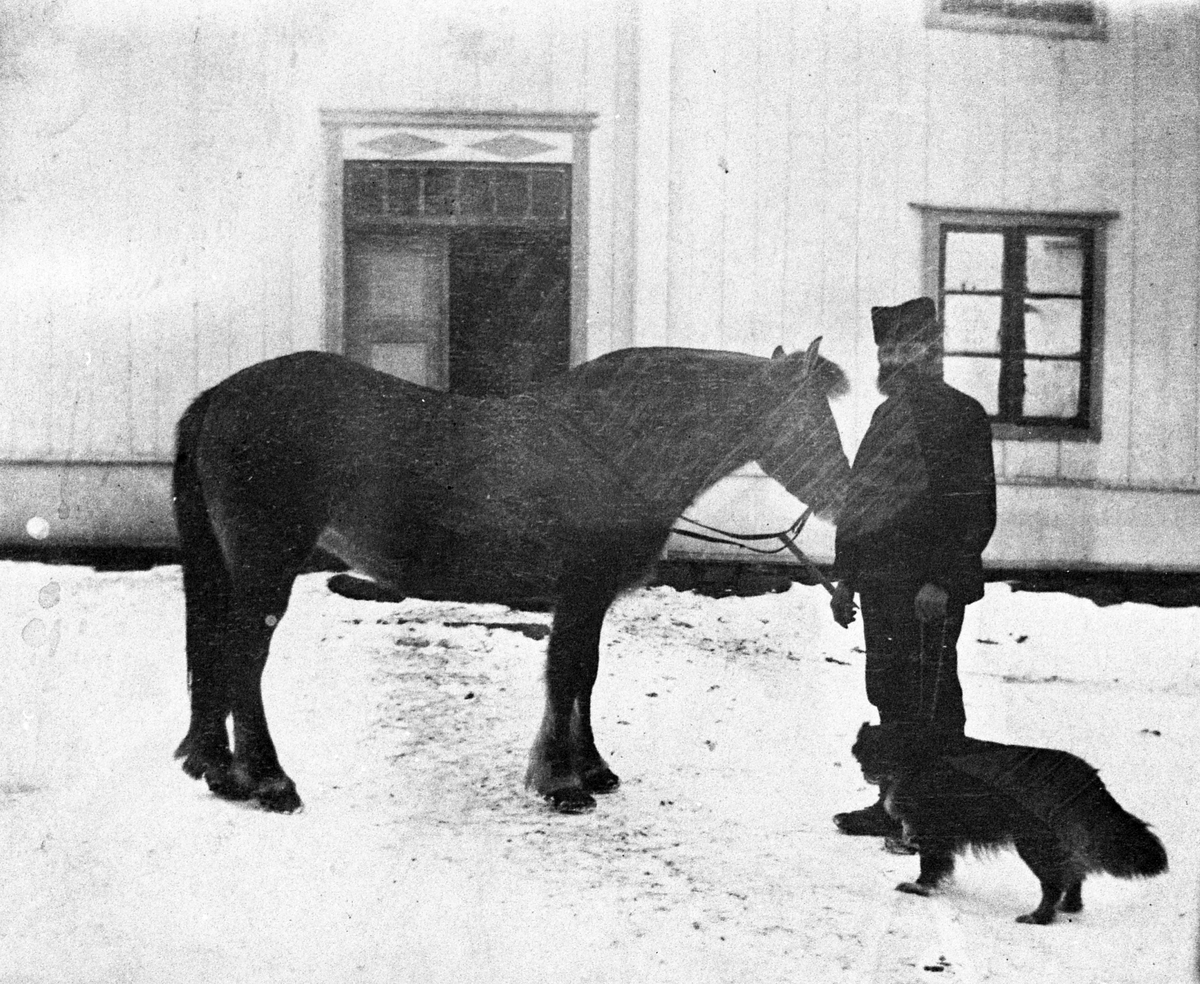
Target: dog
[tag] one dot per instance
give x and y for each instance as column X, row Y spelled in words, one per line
column 951, row 792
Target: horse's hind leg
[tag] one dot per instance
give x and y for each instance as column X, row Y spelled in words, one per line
column 206, row 587
column 564, row 759
column 259, row 598
column 206, row 597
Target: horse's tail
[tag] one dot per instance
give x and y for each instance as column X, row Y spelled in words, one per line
column 203, row 563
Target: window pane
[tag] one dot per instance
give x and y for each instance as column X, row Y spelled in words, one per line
column 1053, row 326
column 974, row 260
column 1054, row 264
column 979, row 378
column 972, row 323
column 512, row 194
column 439, row 191
column 403, row 192
column 475, row 195
column 1051, row 389
column 549, row 200
column 365, row 187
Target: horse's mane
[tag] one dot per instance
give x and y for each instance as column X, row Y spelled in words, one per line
column 624, row 366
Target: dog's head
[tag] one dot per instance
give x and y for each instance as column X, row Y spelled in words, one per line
column 885, row 751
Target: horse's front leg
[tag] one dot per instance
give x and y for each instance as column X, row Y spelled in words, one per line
column 594, row 774
column 564, row 764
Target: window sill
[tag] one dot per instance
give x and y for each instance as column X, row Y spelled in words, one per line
column 1045, row 432
column 1015, row 25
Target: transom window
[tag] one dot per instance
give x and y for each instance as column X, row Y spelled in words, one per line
column 1059, row 18
column 402, row 192
column 1020, row 303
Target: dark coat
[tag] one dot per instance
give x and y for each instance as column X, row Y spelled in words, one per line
column 921, row 505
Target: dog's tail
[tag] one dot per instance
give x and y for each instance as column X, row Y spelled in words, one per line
column 1116, row 841
column 1068, row 795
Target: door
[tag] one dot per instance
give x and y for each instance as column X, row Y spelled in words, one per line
column 509, row 309
column 397, row 302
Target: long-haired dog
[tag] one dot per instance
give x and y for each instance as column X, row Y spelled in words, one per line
column 951, row 793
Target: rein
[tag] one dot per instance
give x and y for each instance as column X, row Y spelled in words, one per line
column 786, row 537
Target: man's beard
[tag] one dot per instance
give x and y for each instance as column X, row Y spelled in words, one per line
column 889, row 379
column 893, row 377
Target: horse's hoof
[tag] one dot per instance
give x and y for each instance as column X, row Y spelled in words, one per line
column 912, row 888
column 198, row 760
column 223, row 783
column 363, row 589
column 278, row 796
column 571, row 800
column 194, row 766
column 600, row 781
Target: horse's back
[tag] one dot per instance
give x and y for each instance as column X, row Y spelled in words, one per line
column 435, row 493
column 282, row 440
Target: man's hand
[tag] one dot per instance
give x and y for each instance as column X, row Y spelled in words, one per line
column 842, row 604
column 931, row 603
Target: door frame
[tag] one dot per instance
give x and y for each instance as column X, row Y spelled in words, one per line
column 354, row 134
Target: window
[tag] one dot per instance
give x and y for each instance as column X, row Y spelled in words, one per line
column 1021, row 303
column 416, row 193
column 1057, row 18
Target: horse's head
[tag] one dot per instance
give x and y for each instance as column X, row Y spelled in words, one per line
column 801, row 446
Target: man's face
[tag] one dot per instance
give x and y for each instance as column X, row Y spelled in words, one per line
column 924, row 357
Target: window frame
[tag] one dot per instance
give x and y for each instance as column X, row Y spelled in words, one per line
column 938, row 220
column 1097, row 30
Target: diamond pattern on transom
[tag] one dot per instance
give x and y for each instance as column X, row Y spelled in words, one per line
column 403, row 144
column 513, row 146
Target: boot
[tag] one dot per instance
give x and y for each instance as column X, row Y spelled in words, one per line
column 872, row 821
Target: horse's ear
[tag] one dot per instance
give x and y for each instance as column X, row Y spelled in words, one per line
column 778, row 353
column 811, row 356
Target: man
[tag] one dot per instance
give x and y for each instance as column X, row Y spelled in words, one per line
column 920, row 509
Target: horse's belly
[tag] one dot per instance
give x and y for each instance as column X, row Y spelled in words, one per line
column 448, row 571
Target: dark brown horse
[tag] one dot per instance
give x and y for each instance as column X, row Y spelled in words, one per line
column 566, row 494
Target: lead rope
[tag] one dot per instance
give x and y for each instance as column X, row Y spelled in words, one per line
column 937, row 677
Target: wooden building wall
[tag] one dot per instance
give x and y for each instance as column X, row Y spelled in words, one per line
column 752, row 175
column 802, row 134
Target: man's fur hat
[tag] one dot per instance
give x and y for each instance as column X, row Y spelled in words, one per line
column 912, row 321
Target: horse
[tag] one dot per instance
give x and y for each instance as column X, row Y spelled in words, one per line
column 566, row 492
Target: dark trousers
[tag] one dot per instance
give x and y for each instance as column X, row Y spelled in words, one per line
column 912, row 666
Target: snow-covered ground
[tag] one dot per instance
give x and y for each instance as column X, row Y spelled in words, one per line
column 420, row 858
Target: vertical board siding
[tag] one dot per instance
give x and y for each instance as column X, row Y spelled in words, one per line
column 1163, row 431
column 698, row 150
column 162, row 182
column 745, row 282
column 802, row 199
column 766, row 320
column 1031, row 126
column 161, row 186
column 880, row 112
